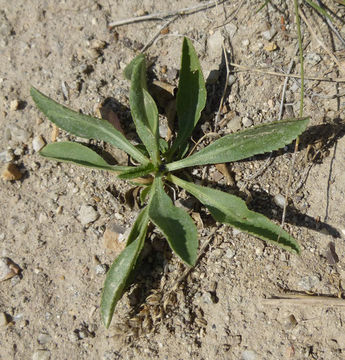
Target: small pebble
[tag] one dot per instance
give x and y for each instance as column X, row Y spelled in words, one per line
column 8, row 268
column 247, row 122
column 234, row 124
column 231, row 79
column 6, row 156
column 207, row 298
column 14, row 105
column 38, row 143
column 114, row 237
column 83, row 334
column 271, row 47
column 230, row 253
column 11, row 172
column 268, row 34
column 41, row 355
column 231, row 29
column 312, row 59
column 214, row 45
column 18, row 135
column 279, row 200
column 44, row 338
column 3, row 319
column 98, row 44
column 248, row 355
column 308, row 283
column 245, row 42
column 101, row 269
column 87, row 214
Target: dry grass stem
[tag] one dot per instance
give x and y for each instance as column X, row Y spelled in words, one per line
column 161, row 16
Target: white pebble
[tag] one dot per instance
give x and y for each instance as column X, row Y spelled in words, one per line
column 44, row 338
column 87, row 214
column 279, row 200
column 14, row 105
column 38, row 143
column 248, row 355
column 41, row 355
column 247, row 122
column 230, row 253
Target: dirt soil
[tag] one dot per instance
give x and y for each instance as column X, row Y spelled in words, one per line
column 224, row 308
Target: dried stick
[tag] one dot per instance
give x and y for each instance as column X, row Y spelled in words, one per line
column 160, row 16
column 310, row 300
column 155, row 36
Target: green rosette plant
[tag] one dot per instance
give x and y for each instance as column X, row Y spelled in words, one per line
column 161, row 160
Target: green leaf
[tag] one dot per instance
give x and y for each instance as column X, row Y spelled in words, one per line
column 246, row 143
column 177, row 226
column 136, row 172
column 191, row 95
column 232, row 210
column 144, row 111
column 124, row 264
column 79, row 154
column 129, row 68
column 83, row 125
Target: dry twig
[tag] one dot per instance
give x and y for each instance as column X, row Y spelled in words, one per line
column 309, row 300
column 161, row 16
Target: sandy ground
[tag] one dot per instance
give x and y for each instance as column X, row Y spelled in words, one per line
column 50, row 309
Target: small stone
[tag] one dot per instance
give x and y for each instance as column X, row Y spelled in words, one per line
column 8, row 268
column 207, row 298
column 231, row 29
column 268, row 34
column 272, row 46
column 214, row 45
column 87, row 214
column 18, row 152
column 231, row 79
column 98, row 44
column 308, row 283
column 230, row 253
column 312, row 59
column 247, row 122
column 38, row 143
column 279, row 200
column 44, row 338
column 83, row 334
column 248, row 355
column 234, row 124
column 114, row 237
column 41, row 355
column 6, row 156
column 18, row 135
column 101, row 269
column 11, row 172
column 14, row 105
column 3, row 319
